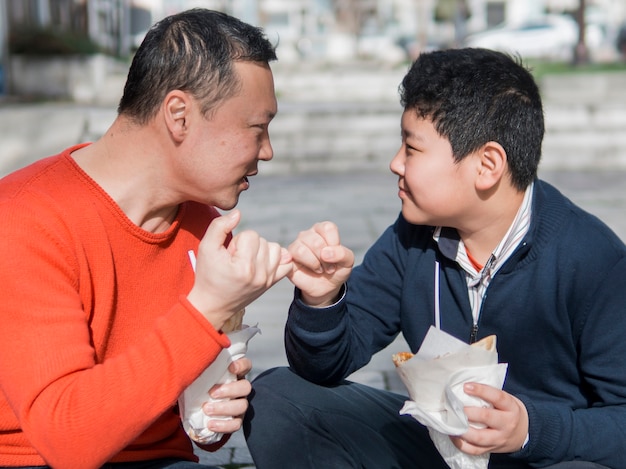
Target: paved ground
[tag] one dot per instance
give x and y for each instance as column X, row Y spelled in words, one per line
column 362, row 205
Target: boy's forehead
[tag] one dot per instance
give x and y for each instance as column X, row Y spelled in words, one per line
column 411, row 122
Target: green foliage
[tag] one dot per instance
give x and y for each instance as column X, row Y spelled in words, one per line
column 45, row 42
column 542, row 68
column 449, row 10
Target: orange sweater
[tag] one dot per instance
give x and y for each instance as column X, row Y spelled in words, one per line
column 97, row 339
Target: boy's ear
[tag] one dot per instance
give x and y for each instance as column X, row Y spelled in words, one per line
column 176, row 107
column 492, row 165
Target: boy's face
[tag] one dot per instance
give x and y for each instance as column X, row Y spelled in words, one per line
column 434, row 189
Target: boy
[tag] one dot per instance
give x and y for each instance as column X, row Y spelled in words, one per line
column 481, row 247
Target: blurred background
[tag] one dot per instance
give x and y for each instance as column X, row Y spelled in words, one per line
column 388, row 32
column 63, row 64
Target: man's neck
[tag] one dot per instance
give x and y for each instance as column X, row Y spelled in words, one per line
column 122, row 164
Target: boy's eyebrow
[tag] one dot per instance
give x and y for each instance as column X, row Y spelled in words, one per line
column 408, row 133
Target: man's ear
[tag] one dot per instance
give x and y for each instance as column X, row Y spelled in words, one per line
column 176, row 111
column 492, row 165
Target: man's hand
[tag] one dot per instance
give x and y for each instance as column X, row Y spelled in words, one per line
column 235, row 401
column 230, row 278
column 501, row 429
column 321, row 264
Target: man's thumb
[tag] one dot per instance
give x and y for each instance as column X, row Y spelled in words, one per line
column 221, row 227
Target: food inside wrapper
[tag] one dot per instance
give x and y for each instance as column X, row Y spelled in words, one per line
column 190, row 402
column 434, row 378
column 488, row 343
column 234, row 323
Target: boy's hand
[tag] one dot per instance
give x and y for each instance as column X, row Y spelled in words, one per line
column 505, row 425
column 321, row 264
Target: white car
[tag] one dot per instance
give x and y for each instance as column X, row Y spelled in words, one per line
column 552, row 37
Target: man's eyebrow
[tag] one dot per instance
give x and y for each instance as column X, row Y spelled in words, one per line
column 262, row 117
column 267, row 115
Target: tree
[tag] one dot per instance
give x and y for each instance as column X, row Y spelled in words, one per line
column 581, row 52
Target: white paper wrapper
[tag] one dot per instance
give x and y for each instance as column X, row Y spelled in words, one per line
column 190, row 402
column 434, row 378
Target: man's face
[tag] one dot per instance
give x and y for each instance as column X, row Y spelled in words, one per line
column 434, row 189
column 223, row 151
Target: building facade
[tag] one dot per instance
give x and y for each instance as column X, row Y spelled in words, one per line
column 315, row 30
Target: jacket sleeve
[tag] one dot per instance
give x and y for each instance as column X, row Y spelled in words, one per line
column 325, row 345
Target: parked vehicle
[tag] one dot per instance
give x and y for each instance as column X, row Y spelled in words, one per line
column 550, row 37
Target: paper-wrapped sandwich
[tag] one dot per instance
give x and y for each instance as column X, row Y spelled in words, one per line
column 434, row 378
column 488, row 343
column 234, row 323
column 193, row 398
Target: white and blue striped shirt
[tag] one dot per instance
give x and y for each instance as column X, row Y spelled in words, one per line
column 478, row 281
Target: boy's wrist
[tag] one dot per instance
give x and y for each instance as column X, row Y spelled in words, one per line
column 526, row 440
column 324, row 302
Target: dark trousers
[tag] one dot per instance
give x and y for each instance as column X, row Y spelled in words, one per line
column 155, row 464
column 294, row 423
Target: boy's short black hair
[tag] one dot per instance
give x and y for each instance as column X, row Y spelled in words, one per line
column 474, row 96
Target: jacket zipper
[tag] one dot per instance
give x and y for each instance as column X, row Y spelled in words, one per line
column 473, row 333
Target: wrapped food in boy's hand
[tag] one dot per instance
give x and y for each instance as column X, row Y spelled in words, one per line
column 434, row 378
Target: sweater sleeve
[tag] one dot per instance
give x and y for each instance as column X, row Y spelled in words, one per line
column 326, row 345
column 77, row 411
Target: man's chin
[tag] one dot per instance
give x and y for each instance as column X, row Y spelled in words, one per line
column 227, row 204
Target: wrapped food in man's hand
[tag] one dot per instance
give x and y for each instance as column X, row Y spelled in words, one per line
column 194, row 419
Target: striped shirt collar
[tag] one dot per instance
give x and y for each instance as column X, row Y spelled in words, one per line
column 452, row 246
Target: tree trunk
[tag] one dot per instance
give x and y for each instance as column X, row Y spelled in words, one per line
column 581, row 53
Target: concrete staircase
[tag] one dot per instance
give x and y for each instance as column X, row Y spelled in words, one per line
column 585, row 121
column 350, row 119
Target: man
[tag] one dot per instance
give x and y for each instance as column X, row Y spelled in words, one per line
column 104, row 322
column 481, row 247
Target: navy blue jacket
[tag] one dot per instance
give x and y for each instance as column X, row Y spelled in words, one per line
column 557, row 307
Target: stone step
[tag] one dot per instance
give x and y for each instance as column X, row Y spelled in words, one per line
column 588, row 88
column 323, row 138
